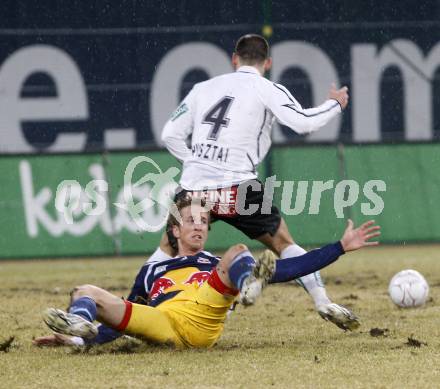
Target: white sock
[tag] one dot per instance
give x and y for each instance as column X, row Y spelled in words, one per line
column 159, row 256
column 312, row 283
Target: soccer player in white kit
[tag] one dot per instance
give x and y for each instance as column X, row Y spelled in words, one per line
column 229, row 120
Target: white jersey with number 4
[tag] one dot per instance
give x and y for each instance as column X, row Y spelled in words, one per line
column 229, row 121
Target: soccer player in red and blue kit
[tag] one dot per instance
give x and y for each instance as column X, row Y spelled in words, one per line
column 187, row 297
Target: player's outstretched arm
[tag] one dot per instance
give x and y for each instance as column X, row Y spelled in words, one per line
column 356, row 238
column 105, row 335
column 353, row 239
column 289, row 111
column 56, row 340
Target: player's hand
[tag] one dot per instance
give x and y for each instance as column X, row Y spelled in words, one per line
column 340, row 95
column 54, row 340
column 356, row 238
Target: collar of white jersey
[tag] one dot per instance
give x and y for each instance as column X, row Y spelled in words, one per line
column 248, row 69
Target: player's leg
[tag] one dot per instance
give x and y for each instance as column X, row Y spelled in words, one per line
column 91, row 303
column 149, row 323
column 110, row 309
column 237, row 263
column 238, row 271
column 281, row 242
column 269, row 228
column 88, row 303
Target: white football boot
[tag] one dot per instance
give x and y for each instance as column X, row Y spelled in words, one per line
column 69, row 323
column 255, row 283
column 340, row 316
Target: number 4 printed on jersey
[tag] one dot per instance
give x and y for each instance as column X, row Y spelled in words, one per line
column 216, row 116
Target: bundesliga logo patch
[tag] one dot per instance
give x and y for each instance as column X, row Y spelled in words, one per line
column 203, row 260
column 179, row 111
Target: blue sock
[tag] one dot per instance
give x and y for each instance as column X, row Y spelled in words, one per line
column 105, row 334
column 84, row 307
column 241, row 268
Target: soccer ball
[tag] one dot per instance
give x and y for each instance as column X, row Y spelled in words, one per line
column 408, row 289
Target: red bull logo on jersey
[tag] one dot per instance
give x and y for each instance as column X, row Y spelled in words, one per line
column 159, row 286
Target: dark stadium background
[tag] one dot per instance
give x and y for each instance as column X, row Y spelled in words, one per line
column 116, row 44
column 118, row 48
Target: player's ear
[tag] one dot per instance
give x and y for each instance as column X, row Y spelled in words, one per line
column 235, row 61
column 267, row 64
column 176, row 231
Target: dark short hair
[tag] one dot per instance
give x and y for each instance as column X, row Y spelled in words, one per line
column 252, row 48
column 181, row 203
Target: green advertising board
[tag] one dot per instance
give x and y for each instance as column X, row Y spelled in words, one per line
column 411, row 201
column 397, row 185
column 33, row 226
column 320, row 186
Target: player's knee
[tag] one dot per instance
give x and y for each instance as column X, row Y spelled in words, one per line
column 236, row 249
column 240, row 247
column 232, row 252
column 83, row 290
column 280, row 240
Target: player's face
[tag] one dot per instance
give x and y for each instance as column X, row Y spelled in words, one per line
column 193, row 232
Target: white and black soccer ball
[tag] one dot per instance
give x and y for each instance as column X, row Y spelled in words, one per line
column 408, row 289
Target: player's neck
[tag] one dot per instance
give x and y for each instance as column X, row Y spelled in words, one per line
column 186, row 251
column 260, row 69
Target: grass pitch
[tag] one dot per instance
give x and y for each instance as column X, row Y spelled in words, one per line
column 280, row 342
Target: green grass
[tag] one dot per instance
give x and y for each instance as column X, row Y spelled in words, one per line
column 280, row 342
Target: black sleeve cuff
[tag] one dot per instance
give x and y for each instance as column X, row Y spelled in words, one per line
column 339, row 248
